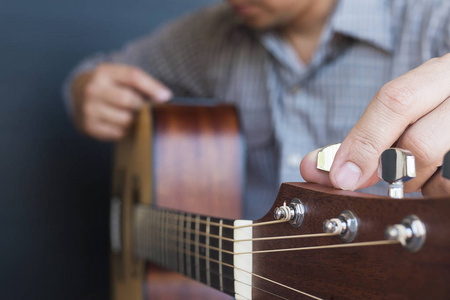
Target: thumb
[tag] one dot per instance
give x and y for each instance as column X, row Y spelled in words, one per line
column 355, row 164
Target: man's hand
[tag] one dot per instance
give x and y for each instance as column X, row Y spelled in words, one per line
column 412, row 112
column 106, row 99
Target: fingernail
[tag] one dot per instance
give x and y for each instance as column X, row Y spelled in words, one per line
column 348, row 176
column 164, row 95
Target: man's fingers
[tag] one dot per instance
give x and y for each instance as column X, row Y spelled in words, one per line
column 122, row 97
column 428, row 139
column 397, row 105
column 136, row 78
column 105, row 113
column 104, row 131
column 310, row 173
column 105, row 99
column 437, row 185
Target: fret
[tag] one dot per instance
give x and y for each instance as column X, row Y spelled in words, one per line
column 151, row 228
column 186, row 245
column 156, row 235
column 166, row 239
column 220, row 256
column 160, row 238
column 180, row 244
column 174, row 236
column 163, row 237
column 197, row 250
column 208, row 264
column 191, row 242
column 214, row 254
column 227, row 258
column 202, row 249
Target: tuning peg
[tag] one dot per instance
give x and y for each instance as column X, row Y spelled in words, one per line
column 325, row 157
column 294, row 212
column 446, row 166
column 396, row 167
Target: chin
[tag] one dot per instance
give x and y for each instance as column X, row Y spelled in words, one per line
column 258, row 24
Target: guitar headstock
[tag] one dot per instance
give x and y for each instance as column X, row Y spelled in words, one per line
column 351, row 245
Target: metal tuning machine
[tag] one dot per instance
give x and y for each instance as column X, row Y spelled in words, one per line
column 325, row 157
column 446, row 166
column 411, row 233
column 346, row 226
column 396, row 167
column 294, row 212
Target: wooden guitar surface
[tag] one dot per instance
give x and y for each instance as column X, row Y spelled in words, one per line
column 183, row 157
column 366, row 272
column 198, row 167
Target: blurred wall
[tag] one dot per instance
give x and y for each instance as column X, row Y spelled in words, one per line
column 54, row 183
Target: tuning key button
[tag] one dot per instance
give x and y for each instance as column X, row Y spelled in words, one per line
column 346, row 226
column 411, row 233
column 446, row 166
column 325, row 157
column 396, row 167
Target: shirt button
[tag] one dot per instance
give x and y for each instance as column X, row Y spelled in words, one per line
column 295, row 89
column 293, row 160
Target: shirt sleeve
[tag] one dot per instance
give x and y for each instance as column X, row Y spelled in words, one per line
column 174, row 54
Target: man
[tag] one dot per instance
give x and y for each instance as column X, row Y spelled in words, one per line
column 302, row 73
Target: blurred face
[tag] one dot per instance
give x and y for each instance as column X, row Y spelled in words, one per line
column 264, row 14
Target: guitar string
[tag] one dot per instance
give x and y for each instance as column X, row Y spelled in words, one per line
column 373, row 243
column 301, row 236
column 224, row 276
column 238, row 227
column 233, row 279
column 252, row 274
column 261, row 238
column 360, row 244
column 221, row 263
column 263, row 278
column 236, row 280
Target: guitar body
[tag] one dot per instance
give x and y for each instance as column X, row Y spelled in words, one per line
column 182, row 157
column 190, row 159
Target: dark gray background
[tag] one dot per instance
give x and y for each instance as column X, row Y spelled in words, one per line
column 54, row 183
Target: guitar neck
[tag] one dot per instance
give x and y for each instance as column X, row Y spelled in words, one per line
column 202, row 248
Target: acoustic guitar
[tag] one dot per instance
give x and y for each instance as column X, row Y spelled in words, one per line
column 314, row 243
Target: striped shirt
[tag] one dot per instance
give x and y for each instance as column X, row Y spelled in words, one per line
column 289, row 108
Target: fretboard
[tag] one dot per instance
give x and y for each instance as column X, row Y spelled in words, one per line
column 202, row 248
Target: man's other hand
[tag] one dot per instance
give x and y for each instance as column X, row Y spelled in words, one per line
column 411, row 112
column 105, row 100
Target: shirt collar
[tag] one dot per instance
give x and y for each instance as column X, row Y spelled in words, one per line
column 368, row 21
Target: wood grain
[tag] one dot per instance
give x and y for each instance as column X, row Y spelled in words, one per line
column 198, row 159
column 199, row 168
